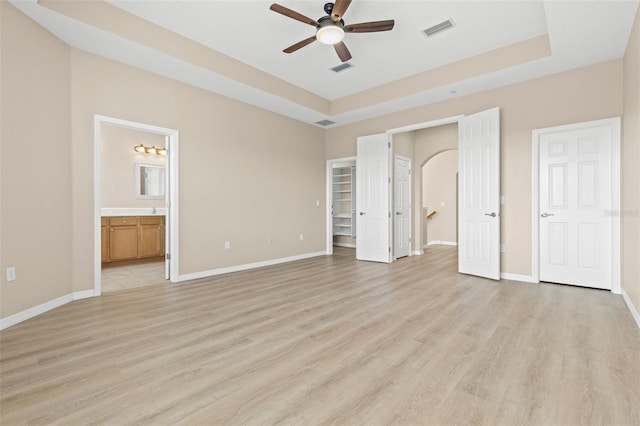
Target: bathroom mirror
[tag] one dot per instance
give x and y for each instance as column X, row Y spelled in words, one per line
column 150, row 181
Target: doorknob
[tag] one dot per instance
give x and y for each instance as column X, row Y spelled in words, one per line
column 362, row 213
column 398, row 213
column 546, row 214
column 492, row 214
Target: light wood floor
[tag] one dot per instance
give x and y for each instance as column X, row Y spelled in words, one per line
column 329, row 340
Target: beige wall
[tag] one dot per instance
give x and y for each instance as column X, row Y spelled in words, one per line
column 631, row 169
column 428, row 143
column 35, row 227
column 583, row 94
column 247, row 176
column 439, row 181
column 119, row 162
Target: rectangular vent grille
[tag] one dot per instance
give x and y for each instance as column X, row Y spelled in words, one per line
column 325, row 122
column 341, row 67
column 431, row 31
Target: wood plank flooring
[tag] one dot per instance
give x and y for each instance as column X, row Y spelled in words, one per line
column 328, row 341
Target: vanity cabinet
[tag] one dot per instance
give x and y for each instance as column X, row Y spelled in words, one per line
column 151, row 236
column 132, row 238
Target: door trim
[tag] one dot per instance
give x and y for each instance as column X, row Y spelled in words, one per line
column 329, row 203
column 172, row 164
column 614, row 124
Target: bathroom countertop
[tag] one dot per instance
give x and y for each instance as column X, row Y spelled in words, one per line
column 133, row 211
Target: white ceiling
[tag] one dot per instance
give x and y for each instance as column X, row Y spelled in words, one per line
column 581, row 33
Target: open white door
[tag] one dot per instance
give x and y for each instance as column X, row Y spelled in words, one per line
column 167, row 216
column 372, row 198
column 402, row 206
column 479, row 194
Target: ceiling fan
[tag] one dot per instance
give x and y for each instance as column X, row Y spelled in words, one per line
column 330, row 29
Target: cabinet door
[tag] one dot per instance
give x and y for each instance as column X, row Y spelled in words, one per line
column 123, row 242
column 104, row 240
column 151, row 240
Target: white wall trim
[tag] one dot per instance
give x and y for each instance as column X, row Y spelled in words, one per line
column 247, row 266
column 632, row 308
column 347, row 245
column 417, row 253
column 34, row 311
column 426, row 124
column 441, row 243
column 84, row 294
column 518, row 277
column 614, row 124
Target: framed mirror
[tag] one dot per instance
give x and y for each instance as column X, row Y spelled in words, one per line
column 150, row 181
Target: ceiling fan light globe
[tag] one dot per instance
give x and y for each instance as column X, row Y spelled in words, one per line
column 330, row 34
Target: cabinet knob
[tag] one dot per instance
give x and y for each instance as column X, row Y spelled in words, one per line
column 111, row 229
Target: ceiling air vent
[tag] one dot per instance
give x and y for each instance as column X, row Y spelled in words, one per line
column 431, row 31
column 341, row 67
column 325, row 122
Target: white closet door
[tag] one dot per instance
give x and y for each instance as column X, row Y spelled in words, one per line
column 575, row 186
column 402, row 206
column 372, row 202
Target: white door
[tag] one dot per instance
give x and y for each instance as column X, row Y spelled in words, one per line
column 167, row 216
column 402, row 206
column 479, row 194
column 372, row 198
column 574, row 224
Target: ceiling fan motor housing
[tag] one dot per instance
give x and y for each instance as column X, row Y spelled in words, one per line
column 328, row 8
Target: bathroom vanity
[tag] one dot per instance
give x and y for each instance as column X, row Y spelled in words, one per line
column 132, row 239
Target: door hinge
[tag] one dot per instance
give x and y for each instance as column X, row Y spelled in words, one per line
column 168, row 256
column 389, row 144
column 389, row 180
column 389, row 249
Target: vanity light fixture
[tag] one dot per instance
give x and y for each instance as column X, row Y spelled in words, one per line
column 150, row 150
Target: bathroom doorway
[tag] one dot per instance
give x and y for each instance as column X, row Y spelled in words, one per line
column 136, row 222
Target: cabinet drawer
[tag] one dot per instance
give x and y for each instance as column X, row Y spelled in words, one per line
column 123, row 221
column 151, row 220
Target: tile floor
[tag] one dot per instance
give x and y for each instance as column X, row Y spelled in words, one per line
column 130, row 276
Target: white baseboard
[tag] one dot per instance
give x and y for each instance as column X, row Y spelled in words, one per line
column 632, row 309
column 518, row 277
column 238, row 268
column 43, row 307
column 441, row 243
column 347, row 245
column 417, row 253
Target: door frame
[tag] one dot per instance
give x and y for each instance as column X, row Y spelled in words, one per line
column 410, row 161
column 329, row 186
column 390, row 133
column 614, row 124
column 172, row 166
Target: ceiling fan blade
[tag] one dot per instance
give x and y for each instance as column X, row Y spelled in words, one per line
column 342, row 51
column 300, row 44
column 339, row 8
column 293, row 14
column 370, row 27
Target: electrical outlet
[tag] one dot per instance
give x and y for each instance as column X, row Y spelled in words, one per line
column 317, row 203
column 227, row 245
column 11, row 273
column 301, row 237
